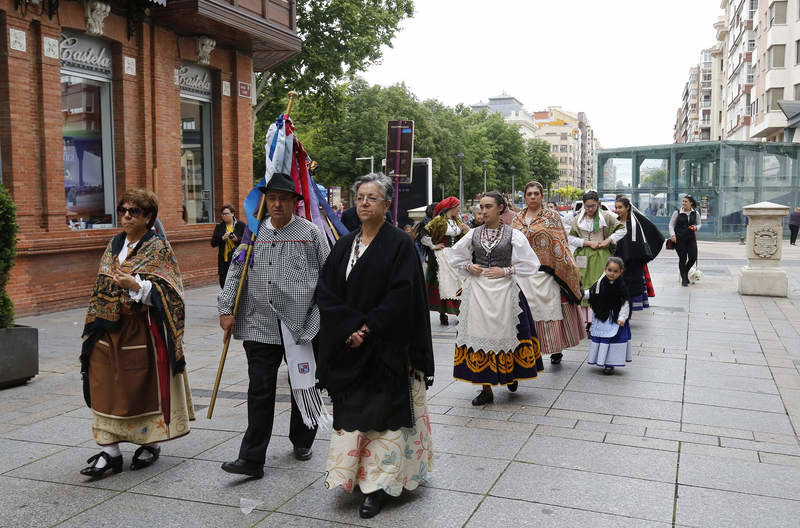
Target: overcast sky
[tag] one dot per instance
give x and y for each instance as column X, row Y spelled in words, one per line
column 623, row 62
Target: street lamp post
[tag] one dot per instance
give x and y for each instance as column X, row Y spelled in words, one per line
column 485, row 163
column 461, row 178
column 513, row 194
column 371, row 163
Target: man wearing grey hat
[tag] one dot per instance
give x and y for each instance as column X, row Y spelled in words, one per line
column 277, row 317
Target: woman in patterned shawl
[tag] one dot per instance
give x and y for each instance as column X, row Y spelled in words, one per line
column 555, row 290
column 132, row 362
column 443, row 281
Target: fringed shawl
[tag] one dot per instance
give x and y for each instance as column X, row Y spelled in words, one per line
column 152, row 260
column 548, row 239
column 437, row 228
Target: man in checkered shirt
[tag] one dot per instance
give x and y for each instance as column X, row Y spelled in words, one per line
column 276, row 315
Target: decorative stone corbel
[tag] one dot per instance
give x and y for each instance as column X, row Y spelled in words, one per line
column 96, row 13
column 205, row 45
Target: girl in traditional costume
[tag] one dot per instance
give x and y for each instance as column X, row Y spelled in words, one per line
column 443, row 281
column 611, row 330
column 595, row 234
column 641, row 244
column 496, row 342
column 376, row 356
column 132, row 356
column 554, row 291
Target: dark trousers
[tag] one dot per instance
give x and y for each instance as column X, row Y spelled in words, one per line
column 793, row 233
column 262, row 368
column 686, row 247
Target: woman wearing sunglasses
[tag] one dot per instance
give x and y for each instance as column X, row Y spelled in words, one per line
column 132, row 363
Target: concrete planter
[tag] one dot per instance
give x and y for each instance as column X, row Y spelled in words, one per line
column 19, row 355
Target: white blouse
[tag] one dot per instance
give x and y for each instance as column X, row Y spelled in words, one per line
column 587, row 224
column 143, row 295
column 523, row 259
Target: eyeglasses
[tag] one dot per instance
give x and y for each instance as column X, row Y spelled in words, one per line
column 368, row 199
column 585, row 206
column 227, row 214
column 133, row 211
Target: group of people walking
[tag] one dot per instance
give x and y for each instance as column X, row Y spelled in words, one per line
column 354, row 320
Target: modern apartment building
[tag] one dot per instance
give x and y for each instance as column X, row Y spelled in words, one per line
column 570, row 135
column 512, row 111
column 693, row 121
column 777, row 77
column 743, row 55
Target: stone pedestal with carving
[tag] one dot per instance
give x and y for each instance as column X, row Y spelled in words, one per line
column 763, row 274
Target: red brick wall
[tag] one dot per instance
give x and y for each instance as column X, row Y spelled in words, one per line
column 56, row 267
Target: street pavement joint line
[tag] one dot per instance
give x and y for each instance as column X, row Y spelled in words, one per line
column 89, row 508
column 488, row 492
column 675, row 500
column 595, row 472
column 32, row 461
column 748, row 494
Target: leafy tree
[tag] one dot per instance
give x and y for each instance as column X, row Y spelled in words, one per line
column 543, row 164
column 657, row 178
column 568, row 193
column 340, row 38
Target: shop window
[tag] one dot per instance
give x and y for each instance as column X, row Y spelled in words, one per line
column 87, row 132
column 197, row 181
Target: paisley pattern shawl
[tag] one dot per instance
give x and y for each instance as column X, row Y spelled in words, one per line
column 152, row 259
column 548, row 239
column 437, row 228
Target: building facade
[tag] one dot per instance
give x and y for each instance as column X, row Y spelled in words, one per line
column 512, row 111
column 100, row 97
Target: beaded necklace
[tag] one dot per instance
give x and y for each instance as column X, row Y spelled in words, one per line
column 491, row 237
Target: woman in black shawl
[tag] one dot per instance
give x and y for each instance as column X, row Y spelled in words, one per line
column 376, row 356
column 640, row 245
column 227, row 235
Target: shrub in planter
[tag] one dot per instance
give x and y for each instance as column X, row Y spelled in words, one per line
column 8, row 250
column 19, row 345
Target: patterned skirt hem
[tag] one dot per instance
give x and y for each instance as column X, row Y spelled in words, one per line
column 556, row 336
column 369, row 487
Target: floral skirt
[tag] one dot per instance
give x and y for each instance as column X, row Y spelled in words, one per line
column 385, row 460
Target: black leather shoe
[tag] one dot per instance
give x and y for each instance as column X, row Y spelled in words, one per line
column 112, row 463
column 483, row 397
column 608, row 370
column 555, row 359
column 244, row 467
column 685, row 282
column 513, row 386
column 444, row 320
column 303, row 453
column 371, row 504
column 140, row 463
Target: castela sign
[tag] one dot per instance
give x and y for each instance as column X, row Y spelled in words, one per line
column 195, row 80
column 86, row 54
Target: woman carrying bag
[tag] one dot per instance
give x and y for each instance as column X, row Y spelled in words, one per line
column 682, row 228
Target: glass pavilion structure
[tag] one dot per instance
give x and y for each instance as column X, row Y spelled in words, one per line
column 723, row 176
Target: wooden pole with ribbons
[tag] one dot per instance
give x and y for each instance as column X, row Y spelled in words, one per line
column 242, row 278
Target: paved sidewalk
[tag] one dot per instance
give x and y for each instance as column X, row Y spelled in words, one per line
column 700, row 430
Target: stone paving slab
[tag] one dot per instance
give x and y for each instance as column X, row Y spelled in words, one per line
column 495, row 511
column 712, row 396
column 642, row 499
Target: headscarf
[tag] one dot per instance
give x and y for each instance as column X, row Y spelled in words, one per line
column 446, row 204
column 548, row 239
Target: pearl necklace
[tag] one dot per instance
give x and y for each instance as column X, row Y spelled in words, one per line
column 491, row 237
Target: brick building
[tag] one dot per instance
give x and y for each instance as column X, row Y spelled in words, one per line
column 99, row 97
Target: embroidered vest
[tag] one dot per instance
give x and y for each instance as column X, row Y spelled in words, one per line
column 499, row 256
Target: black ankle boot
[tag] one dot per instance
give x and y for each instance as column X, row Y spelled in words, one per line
column 371, row 504
column 483, row 398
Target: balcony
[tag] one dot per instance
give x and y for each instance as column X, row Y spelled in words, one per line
column 266, row 28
